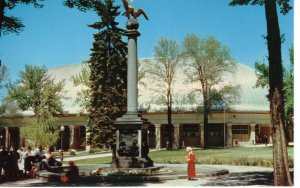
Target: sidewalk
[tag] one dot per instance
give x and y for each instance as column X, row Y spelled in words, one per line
column 75, row 158
column 238, row 176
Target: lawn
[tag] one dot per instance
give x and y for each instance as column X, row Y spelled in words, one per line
column 258, row 156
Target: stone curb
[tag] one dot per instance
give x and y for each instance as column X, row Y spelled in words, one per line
column 49, row 176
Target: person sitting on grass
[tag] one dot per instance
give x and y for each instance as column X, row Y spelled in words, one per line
column 73, row 172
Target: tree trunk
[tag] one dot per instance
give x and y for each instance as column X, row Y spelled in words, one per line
column 170, row 120
column 205, row 119
column 280, row 156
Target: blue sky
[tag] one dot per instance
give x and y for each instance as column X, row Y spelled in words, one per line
column 56, row 35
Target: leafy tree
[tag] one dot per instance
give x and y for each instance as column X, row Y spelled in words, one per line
column 276, row 96
column 83, row 97
column 163, row 71
column 11, row 24
column 37, row 92
column 289, row 93
column 108, row 71
column 262, row 74
column 3, row 77
column 262, row 71
column 207, row 62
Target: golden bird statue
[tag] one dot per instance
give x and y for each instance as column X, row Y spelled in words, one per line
column 129, row 10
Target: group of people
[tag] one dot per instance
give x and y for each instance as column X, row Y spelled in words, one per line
column 9, row 162
column 14, row 163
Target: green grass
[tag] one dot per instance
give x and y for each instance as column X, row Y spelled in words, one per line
column 259, row 156
column 82, row 153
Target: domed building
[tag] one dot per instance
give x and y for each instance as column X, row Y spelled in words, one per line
column 248, row 119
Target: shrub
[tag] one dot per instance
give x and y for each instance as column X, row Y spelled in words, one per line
column 72, row 152
column 95, row 150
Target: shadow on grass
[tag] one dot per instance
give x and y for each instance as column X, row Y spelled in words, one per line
column 244, row 179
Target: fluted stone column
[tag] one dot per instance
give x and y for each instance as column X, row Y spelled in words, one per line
column 157, row 136
column 201, row 135
column 270, row 137
column 229, row 134
column 87, row 134
column 176, row 134
column 72, row 140
column 252, row 133
column 7, row 138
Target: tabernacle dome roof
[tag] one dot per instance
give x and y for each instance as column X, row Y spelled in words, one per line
column 251, row 98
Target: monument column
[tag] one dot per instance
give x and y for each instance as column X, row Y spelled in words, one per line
column 131, row 129
column 132, row 33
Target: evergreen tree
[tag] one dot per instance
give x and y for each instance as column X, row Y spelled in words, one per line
column 11, row 24
column 108, row 66
column 108, row 71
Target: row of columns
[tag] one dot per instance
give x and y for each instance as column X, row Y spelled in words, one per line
column 228, row 134
column 7, row 140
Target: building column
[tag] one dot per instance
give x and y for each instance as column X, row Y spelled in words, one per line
column 229, row 134
column 157, row 135
column 176, row 134
column 7, row 138
column 252, row 133
column 87, row 134
column 270, row 137
column 201, row 135
column 72, row 139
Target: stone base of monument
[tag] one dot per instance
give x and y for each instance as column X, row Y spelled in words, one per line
column 132, row 142
column 131, row 162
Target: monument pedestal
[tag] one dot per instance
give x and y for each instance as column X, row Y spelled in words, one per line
column 132, row 142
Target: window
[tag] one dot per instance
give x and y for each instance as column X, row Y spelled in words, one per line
column 240, row 129
column 190, row 131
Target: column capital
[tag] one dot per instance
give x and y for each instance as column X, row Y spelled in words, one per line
column 229, row 124
column 252, row 124
column 157, row 125
column 176, row 125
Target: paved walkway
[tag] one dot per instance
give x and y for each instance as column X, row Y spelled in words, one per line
column 238, row 176
column 75, row 158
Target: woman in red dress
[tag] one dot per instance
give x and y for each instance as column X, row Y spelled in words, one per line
column 191, row 170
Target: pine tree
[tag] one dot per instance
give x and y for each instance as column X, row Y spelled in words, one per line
column 108, row 77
